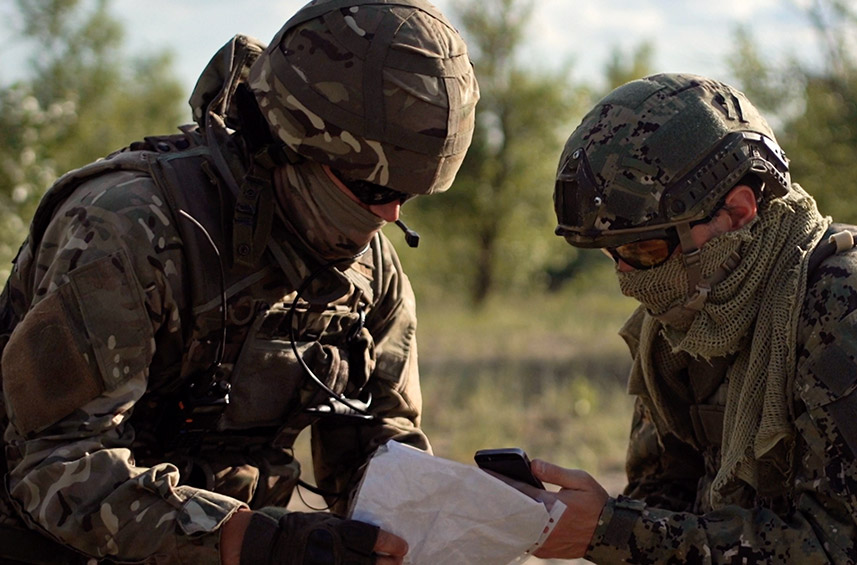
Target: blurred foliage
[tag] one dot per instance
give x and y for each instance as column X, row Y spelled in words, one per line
column 495, row 227
column 82, row 99
column 544, row 371
column 494, row 230
column 812, row 109
column 493, row 233
column 27, row 166
column 623, row 67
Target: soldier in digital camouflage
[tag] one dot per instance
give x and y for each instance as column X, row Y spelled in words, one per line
column 183, row 308
column 744, row 346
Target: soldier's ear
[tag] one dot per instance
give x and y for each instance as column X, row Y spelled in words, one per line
column 741, row 206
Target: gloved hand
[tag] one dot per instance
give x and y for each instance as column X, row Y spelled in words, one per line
column 278, row 537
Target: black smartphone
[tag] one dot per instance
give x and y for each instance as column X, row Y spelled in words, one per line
column 510, row 462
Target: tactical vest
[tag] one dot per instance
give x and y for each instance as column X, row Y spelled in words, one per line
column 326, row 332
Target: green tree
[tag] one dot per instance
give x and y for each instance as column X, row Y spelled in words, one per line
column 26, row 167
column 497, row 221
column 812, row 108
column 835, row 21
column 823, row 140
column 622, row 67
column 822, row 143
column 81, row 99
column 771, row 90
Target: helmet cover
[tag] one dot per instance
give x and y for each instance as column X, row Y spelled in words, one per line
column 658, row 152
column 380, row 91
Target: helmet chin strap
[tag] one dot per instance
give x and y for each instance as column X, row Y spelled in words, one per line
column 698, row 288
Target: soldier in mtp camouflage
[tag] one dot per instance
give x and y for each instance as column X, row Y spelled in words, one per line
column 183, row 308
column 743, row 445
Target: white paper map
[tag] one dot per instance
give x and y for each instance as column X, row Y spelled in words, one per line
column 448, row 512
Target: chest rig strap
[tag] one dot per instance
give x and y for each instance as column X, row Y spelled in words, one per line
column 254, row 199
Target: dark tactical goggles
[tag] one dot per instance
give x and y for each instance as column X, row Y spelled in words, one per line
column 372, row 194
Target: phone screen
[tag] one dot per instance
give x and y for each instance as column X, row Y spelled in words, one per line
column 510, row 462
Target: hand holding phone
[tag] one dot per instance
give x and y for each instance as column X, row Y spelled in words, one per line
column 510, row 462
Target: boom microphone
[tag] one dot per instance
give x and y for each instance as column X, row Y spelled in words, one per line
column 412, row 238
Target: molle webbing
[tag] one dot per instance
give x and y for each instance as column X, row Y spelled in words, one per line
column 189, row 182
column 254, row 212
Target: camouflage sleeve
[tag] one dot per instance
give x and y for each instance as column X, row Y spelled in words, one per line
column 821, row 527
column 629, row 531
column 394, row 384
column 99, row 299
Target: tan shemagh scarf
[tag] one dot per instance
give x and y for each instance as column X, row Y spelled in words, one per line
column 321, row 214
column 753, row 312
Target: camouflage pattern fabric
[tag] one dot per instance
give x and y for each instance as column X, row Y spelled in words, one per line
column 664, row 515
column 109, row 332
column 382, row 92
column 657, row 152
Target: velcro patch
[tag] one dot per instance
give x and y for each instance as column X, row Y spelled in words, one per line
column 45, row 376
column 88, row 336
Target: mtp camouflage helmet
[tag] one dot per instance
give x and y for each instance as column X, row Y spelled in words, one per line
column 379, row 90
column 657, row 154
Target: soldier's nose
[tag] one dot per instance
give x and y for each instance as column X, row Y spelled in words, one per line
column 388, row 211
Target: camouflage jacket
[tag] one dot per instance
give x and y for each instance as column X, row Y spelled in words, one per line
column 118, row 303
column 805, row 511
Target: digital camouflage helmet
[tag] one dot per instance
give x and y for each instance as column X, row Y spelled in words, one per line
column 380, row 91
column 657, row 154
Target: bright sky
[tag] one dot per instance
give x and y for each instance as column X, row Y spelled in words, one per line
column 688, row 35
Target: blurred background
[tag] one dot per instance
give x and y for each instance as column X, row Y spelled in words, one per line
column 517, row 330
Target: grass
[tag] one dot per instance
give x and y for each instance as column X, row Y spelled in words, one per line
column 545, row 372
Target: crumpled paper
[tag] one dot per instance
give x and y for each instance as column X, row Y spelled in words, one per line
column 448, row 512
